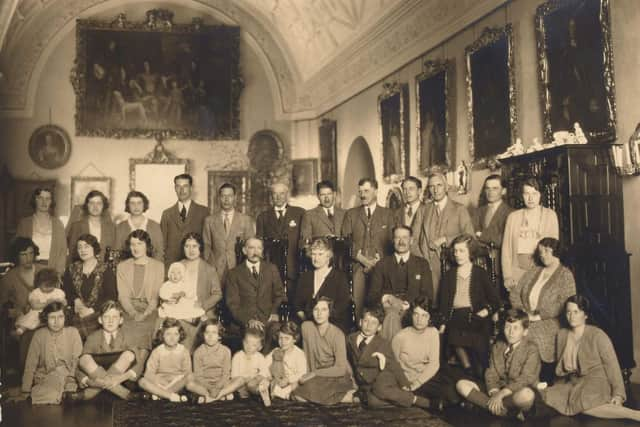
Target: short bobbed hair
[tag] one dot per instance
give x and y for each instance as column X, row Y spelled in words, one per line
column 52, row 307
column 90, row 240
column 142, row 236
column 21, row 244
column 39, row 191
column 547, row 242
column 472, row 245
column 91, row 195
column 132, row 194
column 193, row 236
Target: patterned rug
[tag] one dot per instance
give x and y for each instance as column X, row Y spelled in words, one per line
column 249, row 413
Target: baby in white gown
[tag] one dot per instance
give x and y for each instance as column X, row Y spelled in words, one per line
column 178, row 301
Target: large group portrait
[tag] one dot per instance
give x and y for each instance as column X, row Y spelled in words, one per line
column 137, row 79
column 575, row 60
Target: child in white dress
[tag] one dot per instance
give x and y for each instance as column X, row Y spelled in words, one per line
column 178, row 301
column 47, row 290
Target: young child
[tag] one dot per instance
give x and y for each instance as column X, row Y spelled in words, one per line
column 52, row 358
column 178, row 303
column 169, row 365
column 46, row 291
column 109, row 358
column 379, row 376
column 249, row 370
column 514, row 367
column 211, row 363
column 286, row 363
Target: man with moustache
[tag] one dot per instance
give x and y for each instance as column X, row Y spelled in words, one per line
column 369, row 226
column 411, row 189
column 325, row 220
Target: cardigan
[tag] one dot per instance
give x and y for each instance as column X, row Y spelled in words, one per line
column 58, row 251
column 153, row 278
column 208, row 287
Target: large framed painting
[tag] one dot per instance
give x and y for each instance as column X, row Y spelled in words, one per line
column 135, row 79
column 304, row 176
column 575, row 64
column 239, row 179
column 491, row 95
column 435, row 122
column 82, row 185
column 393, row 109
column 328, row 133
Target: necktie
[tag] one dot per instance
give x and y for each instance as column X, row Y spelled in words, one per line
column 280, row 215
column 410, row 211
column 508, row 353
column 112, row 341
column 363, row 344
column 330, row 213
column 183, row 213
column 368, row 212
column 226, row 223
column 438, row 209
column 401, row 263
column 254, row 271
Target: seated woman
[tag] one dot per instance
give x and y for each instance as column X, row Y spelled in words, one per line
column 88, row 283
column 136, row 205
column 588, row 377
column 541, row 293
column 329, row 380
column 95, row 221
column 52, row 358
column 466, row 301
column 326, row 281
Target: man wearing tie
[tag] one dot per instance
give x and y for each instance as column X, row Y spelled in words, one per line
column 186, row 216
column 282, row 222
column 490, row 218
column 369, row 226
column 442, row 221
column 411, row 188
column 325, row 220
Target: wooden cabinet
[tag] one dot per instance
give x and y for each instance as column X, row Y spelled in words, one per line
column 581, row 185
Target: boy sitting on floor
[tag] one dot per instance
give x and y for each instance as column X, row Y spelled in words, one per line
column 108, row 358
column 381, row 380
column 513, row 368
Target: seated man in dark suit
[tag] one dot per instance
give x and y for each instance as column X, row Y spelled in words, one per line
column 398, row 280
column 253, row 293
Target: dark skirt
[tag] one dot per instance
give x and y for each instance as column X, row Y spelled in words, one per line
column 465, row 329
column 86, row 325
column 141, row 333
column 325, row 390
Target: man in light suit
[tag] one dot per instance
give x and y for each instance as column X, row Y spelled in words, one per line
column 223, row 228
column 184, row 217
column 441, row 221
column 325, row 220
column 411, row 189
column 283, row 222
column 369, row 227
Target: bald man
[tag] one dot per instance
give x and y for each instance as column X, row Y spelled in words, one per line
column 283, row 222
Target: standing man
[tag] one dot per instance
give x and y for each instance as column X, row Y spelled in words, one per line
column 490, row 218
column 283, row 222
column 223, row 228
column 369, row 226
column 186, row 216
column 443, row 220
column 325, row 220
column 411, row 189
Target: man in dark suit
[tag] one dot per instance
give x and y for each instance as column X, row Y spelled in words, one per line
column 283, row 222
column 399, row 279
column 369, row 227
column 411, row 189
column 325, row 220
column 490, row 218
column 186, row 216
column 253, row 293
column 223, row 228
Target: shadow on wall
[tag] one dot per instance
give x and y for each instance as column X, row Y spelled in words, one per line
column 359, row 165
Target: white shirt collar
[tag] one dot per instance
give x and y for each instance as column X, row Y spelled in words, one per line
column 108, row 336
column 404, row 257
column 361, row 337
column 328, row 210
column 250, row 266
column 372, row 208
column 228, row 214
column 442, row 203
column 186, row 204
column 414, row 206
column 283, row 209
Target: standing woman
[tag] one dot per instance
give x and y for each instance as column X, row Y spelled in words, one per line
column 522, row 232
column 88, row 283
column 46, row 230
column 95, row 221
column 136, row 205
column 542, row 293
column 139, row 279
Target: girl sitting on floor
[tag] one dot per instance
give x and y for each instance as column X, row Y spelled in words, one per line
column 169, row 365
column 211, row 362
column 287, row 364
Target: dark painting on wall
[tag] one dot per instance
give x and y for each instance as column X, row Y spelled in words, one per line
column 434, row 119
column 393, row 108
column 304, row 176
column 575, row 68
column 491, row 95
column 141, row 79
column 50, row 147
column 328, row 151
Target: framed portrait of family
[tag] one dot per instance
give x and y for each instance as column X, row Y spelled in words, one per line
column 133, row 79
column 491, row 95
column 239, row 179
column 393, row 111
column 50, row 147
column 435, row 124
column 575, row 62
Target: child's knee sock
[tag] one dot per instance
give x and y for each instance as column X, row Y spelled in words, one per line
column 478, row 398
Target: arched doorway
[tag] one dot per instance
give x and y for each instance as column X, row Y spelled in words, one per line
column 359, row 165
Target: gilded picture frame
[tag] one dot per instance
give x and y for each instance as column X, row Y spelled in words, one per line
column 393, row 112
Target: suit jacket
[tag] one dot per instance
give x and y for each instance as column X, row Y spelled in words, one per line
column 335, row 286
column 402, row 219
column 366, row 368
column 174, row 229
column 369, row 236
column 123, row 229
column 96, row 344
column 481, row 291
column 495, row 229
column 80, row 227
column 268, row 226
column 219, row 247
column 418, row 280
column 208, row 289
column 58, row 250
column 520, row 370
column 153, row 279
column 316, row 223
column 250, row 298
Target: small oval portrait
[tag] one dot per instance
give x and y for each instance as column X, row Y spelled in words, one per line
column 50, row 147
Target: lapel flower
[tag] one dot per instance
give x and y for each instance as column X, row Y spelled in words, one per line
column 418, row 277
column 292, row 223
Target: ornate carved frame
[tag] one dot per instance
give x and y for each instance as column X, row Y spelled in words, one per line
column 432, row 69
column 487, row 38
column 548, row 8
column 402, row 90
column 158, row 156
